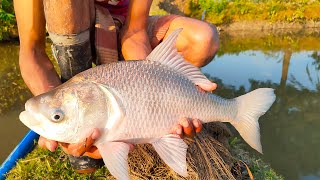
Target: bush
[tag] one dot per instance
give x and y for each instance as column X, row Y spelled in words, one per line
column 7, row 19
column 215, row 6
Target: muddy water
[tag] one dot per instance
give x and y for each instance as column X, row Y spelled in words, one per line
column 13, row 94
column 288, row 63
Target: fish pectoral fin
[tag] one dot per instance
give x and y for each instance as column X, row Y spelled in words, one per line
column 173, row 150
column 167, row 54
column 115, row 157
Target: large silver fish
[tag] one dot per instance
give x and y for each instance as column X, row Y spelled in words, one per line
column 139, row 102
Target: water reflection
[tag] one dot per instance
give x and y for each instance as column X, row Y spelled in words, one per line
column 289, row 63
column 290, row 130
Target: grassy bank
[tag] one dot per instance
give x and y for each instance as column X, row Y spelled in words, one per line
column 258, row 168
column 43, row 164
column 228, row 11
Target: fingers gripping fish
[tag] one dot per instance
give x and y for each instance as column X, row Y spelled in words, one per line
column 139, row 102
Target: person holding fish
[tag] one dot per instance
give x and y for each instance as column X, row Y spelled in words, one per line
column 102, row 31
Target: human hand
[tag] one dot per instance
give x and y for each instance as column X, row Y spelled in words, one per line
column 83, row 148
column 188, row 127
column 45, row 143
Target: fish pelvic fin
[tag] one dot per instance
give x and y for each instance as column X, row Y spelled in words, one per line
column 115, row 157
column 250, row 107
column 173, row 151
column 167, row 54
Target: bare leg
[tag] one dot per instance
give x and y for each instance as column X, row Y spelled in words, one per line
column 68, row 17
column 198, row 42
column 68, row 23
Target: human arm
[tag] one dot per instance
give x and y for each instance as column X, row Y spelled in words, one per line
column 134, row 38
column 36, row 68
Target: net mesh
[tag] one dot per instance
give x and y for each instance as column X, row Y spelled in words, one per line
column 207, row 158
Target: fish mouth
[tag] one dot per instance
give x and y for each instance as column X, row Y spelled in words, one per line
column 28, row 119
column 32, row 121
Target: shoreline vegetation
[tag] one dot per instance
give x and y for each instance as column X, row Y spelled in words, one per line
column 246, row 15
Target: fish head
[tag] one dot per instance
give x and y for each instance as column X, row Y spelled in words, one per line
column 66, row 114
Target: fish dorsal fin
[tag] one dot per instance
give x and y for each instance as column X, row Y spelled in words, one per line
column 115, row 157
column 167, row 54
column 173, row 150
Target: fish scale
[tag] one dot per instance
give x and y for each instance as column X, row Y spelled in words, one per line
column 155, row 97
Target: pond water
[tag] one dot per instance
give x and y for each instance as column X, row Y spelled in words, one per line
column 13, row 94
column 289, row 63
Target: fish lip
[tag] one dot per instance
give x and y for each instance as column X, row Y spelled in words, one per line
column 30, row 117
column 32, row 122
column 27, row 118
column 37, row 123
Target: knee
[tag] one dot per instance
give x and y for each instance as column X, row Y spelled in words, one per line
column 205, row 42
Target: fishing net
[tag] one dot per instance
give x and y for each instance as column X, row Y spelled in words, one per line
column 207, row 158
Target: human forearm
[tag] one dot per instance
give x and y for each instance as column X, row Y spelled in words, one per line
column 135, row 41
column 36, row 68
column 37, row 71
column 138, row 15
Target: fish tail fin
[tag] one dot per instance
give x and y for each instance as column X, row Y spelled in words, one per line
column 250, row 107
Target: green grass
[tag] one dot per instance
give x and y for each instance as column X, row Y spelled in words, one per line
column 40, row 164
column 258, row 168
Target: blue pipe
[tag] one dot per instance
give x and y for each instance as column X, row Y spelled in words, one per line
column 21, row 150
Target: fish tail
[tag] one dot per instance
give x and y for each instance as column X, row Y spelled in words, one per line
column 250, row 107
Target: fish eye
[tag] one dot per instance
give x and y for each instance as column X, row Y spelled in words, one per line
column 57, row 116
